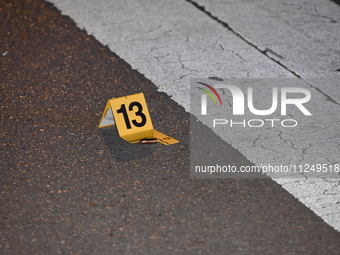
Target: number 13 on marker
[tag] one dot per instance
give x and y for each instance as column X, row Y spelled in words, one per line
column 132, row 118
column 138, row 113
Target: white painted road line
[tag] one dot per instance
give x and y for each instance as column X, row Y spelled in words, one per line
column 278, row 28
column 171, row 42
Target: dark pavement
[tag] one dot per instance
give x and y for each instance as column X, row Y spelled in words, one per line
column 67, row 187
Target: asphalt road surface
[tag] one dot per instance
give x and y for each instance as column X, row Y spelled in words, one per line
column 68, row 187
column 172, row 42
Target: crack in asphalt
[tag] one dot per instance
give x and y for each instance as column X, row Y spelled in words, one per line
column 191, row 71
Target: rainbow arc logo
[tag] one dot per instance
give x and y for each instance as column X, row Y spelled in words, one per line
column 204, row 97
column 209, row 93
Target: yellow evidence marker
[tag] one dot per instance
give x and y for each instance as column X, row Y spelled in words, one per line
column 131, row 116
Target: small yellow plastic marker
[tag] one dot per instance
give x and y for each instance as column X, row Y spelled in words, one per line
column 132, row 118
